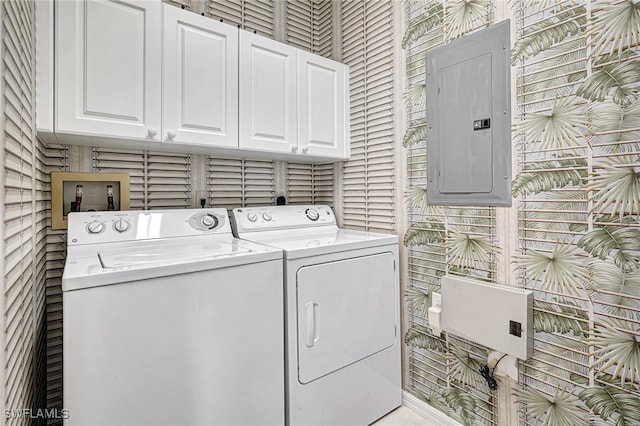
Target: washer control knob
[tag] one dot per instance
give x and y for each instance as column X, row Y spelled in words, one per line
column 209, row 221
column 267, row 216
column 95, row 227
column 252, row 217
column 122, row 225
column 312, row 214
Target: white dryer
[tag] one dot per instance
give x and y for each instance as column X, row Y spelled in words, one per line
column 342, row 314
column 169, row 319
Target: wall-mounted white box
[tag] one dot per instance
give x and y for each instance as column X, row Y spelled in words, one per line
column 497, row 316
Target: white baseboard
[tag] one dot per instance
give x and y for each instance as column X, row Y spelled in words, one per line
column 433, row 416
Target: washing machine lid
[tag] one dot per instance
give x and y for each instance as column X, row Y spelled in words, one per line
column 114, row 263
column 312, row 242
column 162, row 254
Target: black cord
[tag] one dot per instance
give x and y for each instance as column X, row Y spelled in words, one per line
column 491, row 381
column 488, row 376
column 496, row 364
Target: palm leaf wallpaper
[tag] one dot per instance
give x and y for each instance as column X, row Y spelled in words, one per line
column 443, row 240
column 576, row 140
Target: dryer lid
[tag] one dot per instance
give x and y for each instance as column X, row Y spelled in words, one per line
column 304, row 243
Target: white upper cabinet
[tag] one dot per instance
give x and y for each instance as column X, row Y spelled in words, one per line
column 199, row 80
column 291, row 101
column 142, row 74
column 322, row 106
column 44, row 70
column 268, row 113
column 108, row 68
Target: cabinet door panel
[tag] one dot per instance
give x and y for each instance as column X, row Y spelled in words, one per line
column 200, row 80
column 268, row 113
column 118, row 58
column 108, row 82
column 322, row 106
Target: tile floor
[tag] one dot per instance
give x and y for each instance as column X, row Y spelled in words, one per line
column 402, row 416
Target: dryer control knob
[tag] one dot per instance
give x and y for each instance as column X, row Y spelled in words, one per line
column 252, row 217
column 209, row 221
column 122, row 225
column 312, row 214
column 95, row 227
column 267, row 216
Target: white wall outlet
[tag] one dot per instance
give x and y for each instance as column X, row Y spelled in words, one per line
column 436, row 299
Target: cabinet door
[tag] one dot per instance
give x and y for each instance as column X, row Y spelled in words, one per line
column 268, row 113
column 322, row 106
column 200, row 80
column 108, row 61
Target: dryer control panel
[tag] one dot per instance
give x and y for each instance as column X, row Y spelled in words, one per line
column 116, row 226
column 269, row 218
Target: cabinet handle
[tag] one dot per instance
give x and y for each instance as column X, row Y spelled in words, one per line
column 152, row 132
column 294, row 148
column 171, row 134
column 305, row 149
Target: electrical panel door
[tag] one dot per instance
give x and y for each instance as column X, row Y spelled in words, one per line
column 469, row 120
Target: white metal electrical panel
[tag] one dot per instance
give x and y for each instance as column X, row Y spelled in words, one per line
column 469, row 120
column 497, row 316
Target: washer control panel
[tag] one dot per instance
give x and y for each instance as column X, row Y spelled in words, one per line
column 206, row 221
column 248, row 219
column 106, row 227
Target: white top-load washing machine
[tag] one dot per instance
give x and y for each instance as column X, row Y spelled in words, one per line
column 342, row 314
column 170, row 320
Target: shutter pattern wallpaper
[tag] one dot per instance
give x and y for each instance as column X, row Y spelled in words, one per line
column 33, row 255
column 309, row 26
column 239, row 183
column 577, row 194
column 23, row 219
column 159, row 180
column 235, row 183
column 369, row 176
column 56, row 159
column 299, row 24
column 254, row 15
column 444, row 371
column 310, row 183
column 323, row 28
